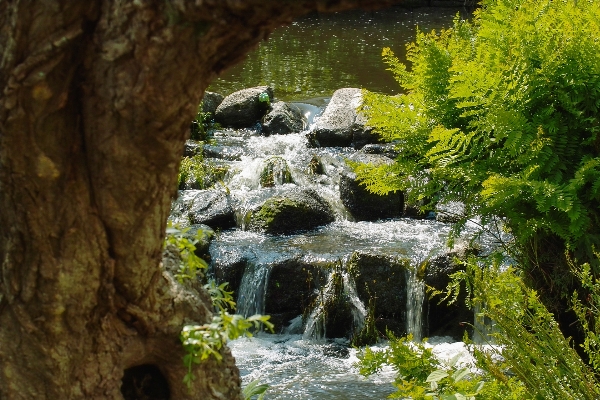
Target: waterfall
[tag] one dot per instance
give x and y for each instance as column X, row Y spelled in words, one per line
column 315, row 322
column 415, row 296
column 340, row 287
column 252, row 291
column 359, row 312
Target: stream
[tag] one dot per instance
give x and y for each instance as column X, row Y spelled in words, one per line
column 305, row 63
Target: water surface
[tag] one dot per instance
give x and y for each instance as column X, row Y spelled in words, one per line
column 320, row 53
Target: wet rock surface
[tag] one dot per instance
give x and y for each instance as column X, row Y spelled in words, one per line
column 282, row 119
column 242, row 109
column 209, row 207
column 446, row 319
column 294, row 211
column 340, row 124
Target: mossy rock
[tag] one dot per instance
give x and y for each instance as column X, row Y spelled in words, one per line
column 275, row 172
column 296, row 210
column 383, row 278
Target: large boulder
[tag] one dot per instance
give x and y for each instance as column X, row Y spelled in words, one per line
column 292, row 211
column 242, row 109
column 362, row 204
column 446, row 319
column 292, row 288
column 384, row 278
column 341, row 124
column 282, row 119
column 210, row 207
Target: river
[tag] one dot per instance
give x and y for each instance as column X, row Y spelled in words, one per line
column 305, row 63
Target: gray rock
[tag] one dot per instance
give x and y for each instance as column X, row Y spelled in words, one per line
column 295, row 210
column 242, row 109
column 229, row 266
column 383, row 277
column 209, row 207
column 283, row 118
column 228, row 153
column 362, row 204
column 192, row 148
column 340, row 124
column 388, row 150
column 292, row 288
column 211, row 101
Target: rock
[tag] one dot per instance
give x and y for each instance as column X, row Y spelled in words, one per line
column 275, row 172
column 383, row 277
column 209, row 207
column 292, row 288
column 211, row 101
column 295, row 210
column 445, row 319
column 228, row 153
column 388, row 150
column 364, row 205
column 340, row 124
column 192, row 148
column 283, row 118
column 242, row 109
column 229, row 266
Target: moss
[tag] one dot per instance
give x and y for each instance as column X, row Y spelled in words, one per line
column 275, row 172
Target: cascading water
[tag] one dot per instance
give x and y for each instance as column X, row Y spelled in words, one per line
column 415, row 298
column 340, row 286
column 251, row 293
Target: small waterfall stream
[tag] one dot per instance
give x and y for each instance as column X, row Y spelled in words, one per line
column 306, row 279
column 252, row 290
column 415, row 299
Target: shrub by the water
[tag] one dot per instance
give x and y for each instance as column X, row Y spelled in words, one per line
column 502, row 115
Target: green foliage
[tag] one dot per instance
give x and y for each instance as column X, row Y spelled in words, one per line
column 202, row 125
column 502, row 114
column 254, row 389
column 530, row 358
column 191, row 266
column 203, row 341
column 421, row 376
column 199, row 173
column 528, row 340
column 275, row 172
column 588, row 312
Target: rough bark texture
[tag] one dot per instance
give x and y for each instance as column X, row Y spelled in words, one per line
column 96, row 100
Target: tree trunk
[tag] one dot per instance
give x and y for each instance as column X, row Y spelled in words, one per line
column 97, row 97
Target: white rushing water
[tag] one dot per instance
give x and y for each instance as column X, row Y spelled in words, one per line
column 302, row 364
column 296, row 368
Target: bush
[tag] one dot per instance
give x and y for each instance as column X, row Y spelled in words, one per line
column 502, row 114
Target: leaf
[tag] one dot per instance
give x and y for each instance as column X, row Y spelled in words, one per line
column 437, row 375
column 460, row 374
column 253, row 389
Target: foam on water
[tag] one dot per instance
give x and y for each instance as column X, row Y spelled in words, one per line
column 295, row 368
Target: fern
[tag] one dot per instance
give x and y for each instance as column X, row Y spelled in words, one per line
column 501, row 113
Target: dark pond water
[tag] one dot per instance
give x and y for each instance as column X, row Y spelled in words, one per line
column 320, row 53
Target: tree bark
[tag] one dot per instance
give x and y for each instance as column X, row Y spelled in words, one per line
column 97, row 97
